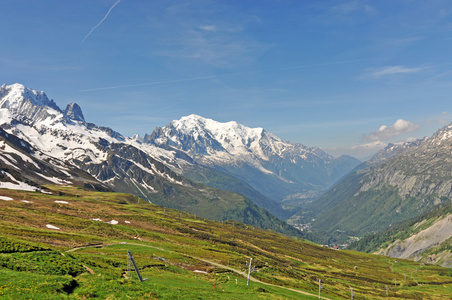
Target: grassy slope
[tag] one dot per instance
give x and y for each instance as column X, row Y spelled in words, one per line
column 191, row 197
column 41, row 263
column 219, row 179
column 345, row 211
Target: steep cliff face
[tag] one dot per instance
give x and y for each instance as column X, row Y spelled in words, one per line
column 74, row 112
column 423, row 169
column 427, row 238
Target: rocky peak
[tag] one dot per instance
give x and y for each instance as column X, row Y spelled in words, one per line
column 200, row 135
column 27, row 106
column 150, row 138
column 14, row 96
column 442, row 135
column 392, row 150
column 74, row 112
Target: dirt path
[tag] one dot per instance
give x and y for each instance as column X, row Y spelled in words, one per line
column 254, row 279
column 209, row 262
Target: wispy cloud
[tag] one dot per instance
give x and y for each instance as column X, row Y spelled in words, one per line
column 101, row 21
column 443, row 121
column 391, row 70
column 368, row 146
column 205, row 34
column 388, row 132
column 361, row 151
column 38, row 65
column 364, row 151
column 216, row 76
column 213, row 46
column 325, row 64
column 211, row 28
column 352, row 7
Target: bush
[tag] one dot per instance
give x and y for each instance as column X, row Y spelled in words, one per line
column 13, row 246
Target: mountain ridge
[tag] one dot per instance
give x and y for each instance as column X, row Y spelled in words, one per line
column 117, row 163
column 404, row 181
column 275, row 168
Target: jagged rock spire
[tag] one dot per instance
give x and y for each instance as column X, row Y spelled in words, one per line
column 74, row 112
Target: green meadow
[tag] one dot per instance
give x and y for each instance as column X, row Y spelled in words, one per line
column 181, row 255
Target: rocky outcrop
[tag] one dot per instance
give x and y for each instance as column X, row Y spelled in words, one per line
column 74, row 112
column 418, row 243
column 423, row 168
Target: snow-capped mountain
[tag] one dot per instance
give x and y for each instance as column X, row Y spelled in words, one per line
column 55, row 146
column 276, row 168
column 25, row 168
column 65, row 136
column 222, row 142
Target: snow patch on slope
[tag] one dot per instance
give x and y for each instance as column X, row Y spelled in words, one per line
column 65, row 143
column 16, row 184
column 5, row 148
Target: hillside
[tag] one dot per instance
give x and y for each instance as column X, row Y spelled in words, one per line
column 402, row 182
column 73, row 245
column 220, row 179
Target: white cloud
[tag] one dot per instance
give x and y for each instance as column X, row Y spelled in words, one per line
column 388, row 132
column 211, row 28
column 369, row 146
column 444, row 116
column 391, row 70
column 222, row 49
column 362, row 151
column 352, row 7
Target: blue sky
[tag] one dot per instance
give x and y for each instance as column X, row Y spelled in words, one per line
column 347, row 76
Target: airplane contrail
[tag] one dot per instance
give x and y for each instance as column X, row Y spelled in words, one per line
column 162, row 82
column 324, row 64
column 216, row 76
column 101, row 21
